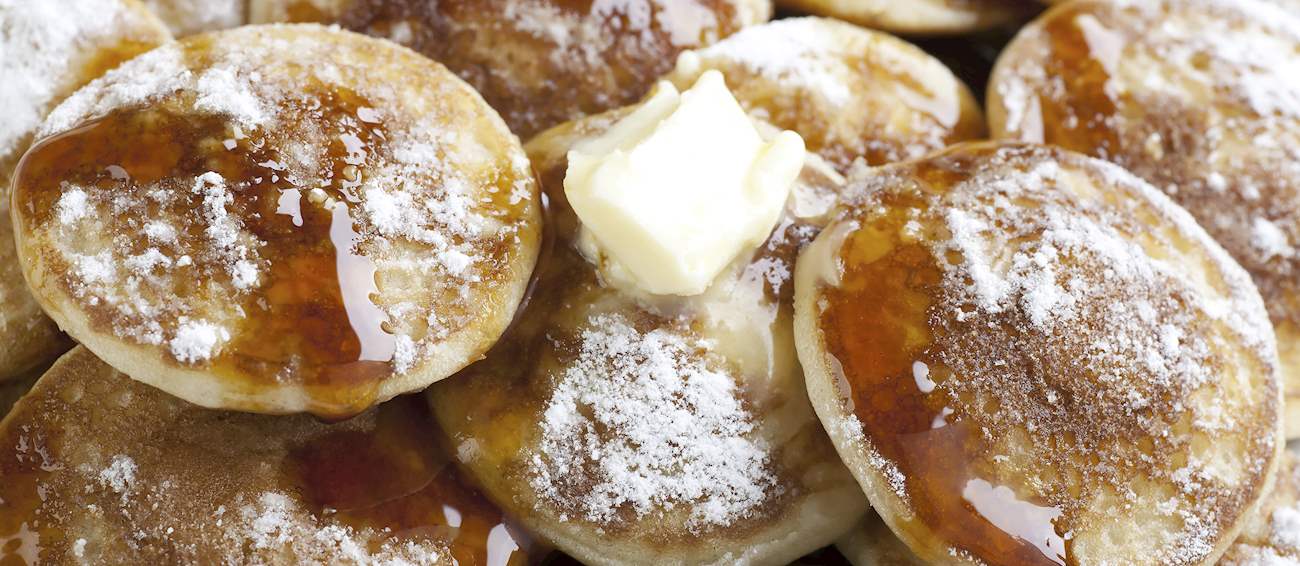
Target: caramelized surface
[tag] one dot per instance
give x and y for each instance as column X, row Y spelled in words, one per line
column 539, row 62
column 78, row 41
column 98, row 467
column 1031, row 357
column 1273, row 534
column 339, row 241
column 1195, row 97
column 727, row 370
column 850, row 92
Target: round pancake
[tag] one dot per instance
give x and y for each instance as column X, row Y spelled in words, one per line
column 927, row 17
column 871, row 543
column 850, row 92
column 48, row 50
column 1029, row 356
column 1272, row 537
column 630, row 429
column 279, row 219
column 1198, row 97
column 96, row 468
column 538, row 62
column 188, row 17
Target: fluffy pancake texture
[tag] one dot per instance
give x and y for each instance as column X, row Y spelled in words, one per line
column 1029, row 356
column 98, row 468
column 188, row 17
column 1199, row 97
column 48, row 50
column 633, row 429
column 850, row 92
column 916, row 16
column 539, row 62
column 1273, row 534
column 279, row 219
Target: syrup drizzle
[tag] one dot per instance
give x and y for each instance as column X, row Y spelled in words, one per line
column 882, row 347
column 316, row 292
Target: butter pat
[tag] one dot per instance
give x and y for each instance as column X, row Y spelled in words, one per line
column 675, row 191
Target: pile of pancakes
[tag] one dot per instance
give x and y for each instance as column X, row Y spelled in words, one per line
column 297, row 282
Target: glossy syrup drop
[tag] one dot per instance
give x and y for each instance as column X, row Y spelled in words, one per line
column 310, row 321
column 1084, row 54
column 394, row 478
column 877, row 326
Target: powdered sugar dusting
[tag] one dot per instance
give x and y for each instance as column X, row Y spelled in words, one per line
column 644, row 422
column 796, row 50
column 1200, row 98
column 426, row 197
column 43, row 42
column 1073, row 301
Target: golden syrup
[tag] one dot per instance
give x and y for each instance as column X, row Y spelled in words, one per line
column 312, row 323
column 535, row 83
column 877, row 325
column 395, row 479
column 1077, row 115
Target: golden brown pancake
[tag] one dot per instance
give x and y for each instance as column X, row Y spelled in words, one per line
column 539, row 62
column 1272, row 537
column 633, row 429
column 48, row 50
column 96, row 468
column 850, row 92
column 188, row 17
column 279, row 219
column 927, row 17
column 1032, row 357
column 1200, row 98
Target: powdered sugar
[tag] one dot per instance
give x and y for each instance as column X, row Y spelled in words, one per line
column 43, row 42
column 406, row 198
column 644, row 422
column 197, row 341
column 1071, row 300
column 186, row 17
column 795, row 50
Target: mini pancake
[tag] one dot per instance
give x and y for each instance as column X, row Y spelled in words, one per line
column 1273, row 534
column 48, row 50
column 1198, row 97
column 188, row 17
column 538, row 62
column 99, row 469
column 850, row 92
column 1029, row 356
column 630, row 429
column 871, row 543
column 926, row 17
column 279, row 219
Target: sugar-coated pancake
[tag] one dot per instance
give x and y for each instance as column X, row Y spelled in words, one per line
column 279, row 219
column 1272, row 537
column 631, row 429
column 48, row 50
column 849, row 91
column 1029, row 356
column 188, row 17
column 871, row 543
column 539, row 62
column 1199, row 97
column 917, row 16
column 96, row 468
